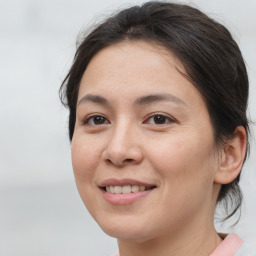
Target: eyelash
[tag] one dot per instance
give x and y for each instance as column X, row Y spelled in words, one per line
column 88, row 119
column 154, row 115
column 166, row 118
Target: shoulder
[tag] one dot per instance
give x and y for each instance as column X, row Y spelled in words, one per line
column 232, row 244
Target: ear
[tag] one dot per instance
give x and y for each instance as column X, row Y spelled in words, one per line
column 232, row 157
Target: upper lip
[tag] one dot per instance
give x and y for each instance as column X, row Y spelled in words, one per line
column 123, row 182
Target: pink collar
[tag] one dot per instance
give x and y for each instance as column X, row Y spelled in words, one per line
column 229, row 246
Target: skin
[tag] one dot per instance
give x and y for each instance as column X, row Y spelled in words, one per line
column 178, row 155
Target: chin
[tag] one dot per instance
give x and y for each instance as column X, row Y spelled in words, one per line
column 126, row 230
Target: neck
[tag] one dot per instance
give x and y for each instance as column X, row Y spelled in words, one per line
column 201, row 242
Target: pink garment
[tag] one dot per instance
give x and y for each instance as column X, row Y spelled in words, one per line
column 228, row 247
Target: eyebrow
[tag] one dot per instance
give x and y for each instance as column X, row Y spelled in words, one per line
column 144, row 100
column 93, row 98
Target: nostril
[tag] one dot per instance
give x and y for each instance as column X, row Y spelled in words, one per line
column 129, row 160
column 108, row 161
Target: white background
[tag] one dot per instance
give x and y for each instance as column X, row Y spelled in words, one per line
column 40, row 210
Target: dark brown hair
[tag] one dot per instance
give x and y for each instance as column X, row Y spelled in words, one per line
column 210, row 56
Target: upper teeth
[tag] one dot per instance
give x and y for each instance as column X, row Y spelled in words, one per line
column 124, row 189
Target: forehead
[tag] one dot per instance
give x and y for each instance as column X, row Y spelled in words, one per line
column 134, row 68
column 132, row 57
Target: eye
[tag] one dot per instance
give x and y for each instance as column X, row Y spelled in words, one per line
column 95, row 120
column 159, row 119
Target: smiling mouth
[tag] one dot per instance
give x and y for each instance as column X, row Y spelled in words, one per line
column 126, row 189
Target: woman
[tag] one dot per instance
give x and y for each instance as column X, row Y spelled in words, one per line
column 157, row 97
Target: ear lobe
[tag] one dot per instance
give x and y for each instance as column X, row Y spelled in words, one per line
column 232, row 157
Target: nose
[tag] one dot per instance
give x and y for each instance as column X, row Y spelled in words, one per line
column 123, row 147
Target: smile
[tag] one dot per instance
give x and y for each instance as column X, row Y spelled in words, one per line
column 126, row 189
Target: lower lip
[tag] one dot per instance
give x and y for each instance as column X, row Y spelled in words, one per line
column 121, row 199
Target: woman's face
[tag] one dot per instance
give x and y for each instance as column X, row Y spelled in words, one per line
column 143, row 149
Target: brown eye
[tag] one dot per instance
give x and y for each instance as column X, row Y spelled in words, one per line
column 95, row 120
column 99, row 120
column 158, row 119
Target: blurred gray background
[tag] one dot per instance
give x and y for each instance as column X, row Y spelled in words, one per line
column 40, row 210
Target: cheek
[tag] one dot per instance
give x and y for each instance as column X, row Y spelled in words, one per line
column 85, row 158
column 186, row 169
column 184, row 161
